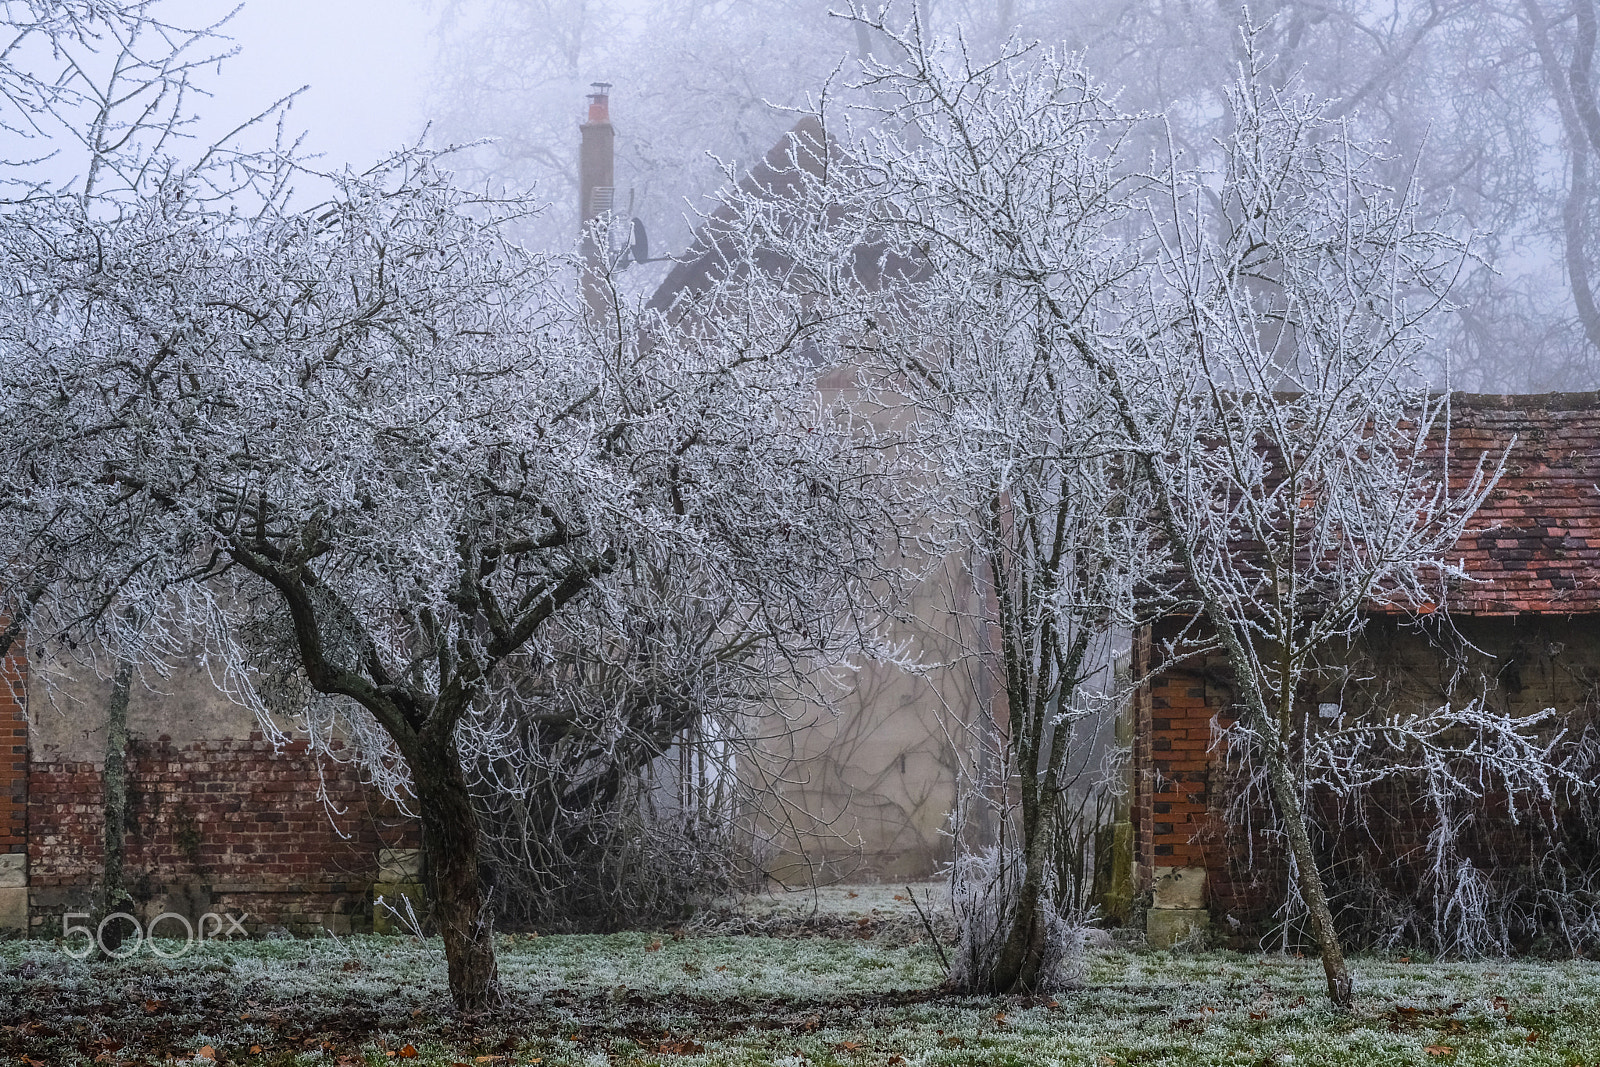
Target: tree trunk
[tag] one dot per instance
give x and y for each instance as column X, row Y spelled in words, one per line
column 113, row 895
column 450, row 848
column 1020, row 965
column 1340, row 985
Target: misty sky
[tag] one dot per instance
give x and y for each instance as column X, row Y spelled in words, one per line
column 364, row 60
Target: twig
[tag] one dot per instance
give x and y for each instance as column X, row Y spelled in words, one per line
column 928, row 926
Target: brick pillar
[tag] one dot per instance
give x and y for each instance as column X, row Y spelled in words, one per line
column 1143, row 767
column 14, row 789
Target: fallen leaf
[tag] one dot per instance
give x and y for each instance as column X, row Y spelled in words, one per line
column 255, row 1050
column 416, row 1013
column 897, row 896
column 848, row 1046
column 895, row 1061
column 407, row 1052
column 653, row 946
column 206, row 1053
column 351, row 965
column 1000, row 1018
column 1439, row 1050
column 852, row 895
column 489, row 1059
column 722, row 966
column 1533, row 1035
column 152, row 1006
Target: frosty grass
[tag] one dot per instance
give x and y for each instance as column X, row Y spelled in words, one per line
column 652, row 998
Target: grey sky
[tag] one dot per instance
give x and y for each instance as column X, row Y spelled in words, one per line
column 364, row 60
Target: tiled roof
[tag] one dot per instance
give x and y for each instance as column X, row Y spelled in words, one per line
column 1535, row 545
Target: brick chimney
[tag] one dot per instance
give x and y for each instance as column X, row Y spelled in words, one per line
column 596, row 153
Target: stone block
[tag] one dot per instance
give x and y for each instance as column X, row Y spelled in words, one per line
column 1113, row 874
column 13, row 871
column 14, row 909
column 1182, row 888
column 396, row 895
column 399, row 864
column 1165, row 927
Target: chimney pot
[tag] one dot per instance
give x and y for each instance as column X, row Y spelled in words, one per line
column 599, row 103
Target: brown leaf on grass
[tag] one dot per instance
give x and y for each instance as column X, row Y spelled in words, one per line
column 654, row 945
column 895, row 1061
column 848, row 1046
column 722, row 966
column 852, row 894
column 206, row 1053
column 1439, row 1050
column 407, row 1051
column 1533, row 1035
column 897, row 896
column 351, row 965
column 1000, row 1018
column 152, row 1006
column 255, row 1050
column 683, row 1047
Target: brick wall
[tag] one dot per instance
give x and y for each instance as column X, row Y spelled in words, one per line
column 1519, row 666
column 1175, row 824
column 216, row 825
column 14, row 751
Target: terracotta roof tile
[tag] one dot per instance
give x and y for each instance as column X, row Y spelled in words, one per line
column 1535, row 545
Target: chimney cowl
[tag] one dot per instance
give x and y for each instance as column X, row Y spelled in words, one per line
column 599, row 103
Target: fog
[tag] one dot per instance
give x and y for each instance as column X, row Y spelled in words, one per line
column 362, row 65
column 1489, row 105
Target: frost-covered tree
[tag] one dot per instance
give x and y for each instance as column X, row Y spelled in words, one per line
column 392, row 459
column 1022, row 475
column 1253, row 329
column 1271, row 394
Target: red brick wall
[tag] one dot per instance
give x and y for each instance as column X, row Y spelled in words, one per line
column 225, row 825
column 1174, row 822
column 14, row 751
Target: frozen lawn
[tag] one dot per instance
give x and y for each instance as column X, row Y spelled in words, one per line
column 710, row 999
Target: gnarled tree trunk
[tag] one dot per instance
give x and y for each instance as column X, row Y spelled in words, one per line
column 450, row 850
column 1020, row 966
